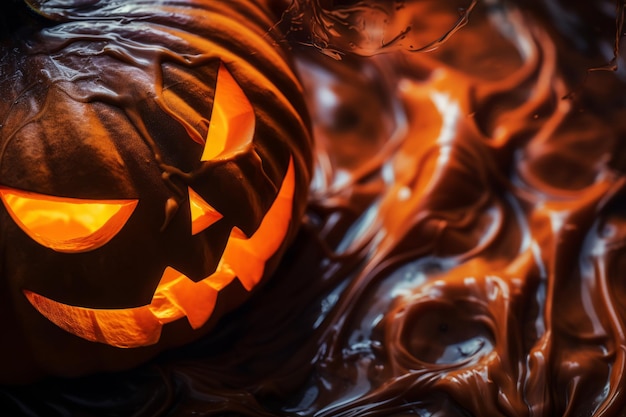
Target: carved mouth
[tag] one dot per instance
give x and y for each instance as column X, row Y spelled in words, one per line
column 176, row 295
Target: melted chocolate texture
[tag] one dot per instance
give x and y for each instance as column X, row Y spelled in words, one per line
column 462, row 254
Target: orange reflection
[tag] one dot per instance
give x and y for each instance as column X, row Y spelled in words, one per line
column 66, row 224
column 177, row 296
column 232, row 124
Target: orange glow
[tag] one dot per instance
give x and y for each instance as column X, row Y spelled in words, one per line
column 66, row 224
column 232, row 124
column 247, row 257
column 203, row 214
column 177, row 296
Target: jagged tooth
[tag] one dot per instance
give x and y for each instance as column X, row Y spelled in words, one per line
column 247, row 257
column 163, row 307
column 194, row 299
column 249, row 272
column 222, row 276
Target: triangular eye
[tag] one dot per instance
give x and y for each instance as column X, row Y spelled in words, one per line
column 232, row 124
column 203, row 214
column 66, row 224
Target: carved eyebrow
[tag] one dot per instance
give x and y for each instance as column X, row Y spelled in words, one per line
column 65, row 224
column 232, row 124
column 231, row 129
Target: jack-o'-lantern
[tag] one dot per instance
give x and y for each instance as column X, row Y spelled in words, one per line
column 154, row 161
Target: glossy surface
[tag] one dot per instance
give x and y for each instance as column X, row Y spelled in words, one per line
column 463, row 249
column 188, row 111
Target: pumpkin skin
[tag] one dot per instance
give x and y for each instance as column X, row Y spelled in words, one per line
column 109, row 103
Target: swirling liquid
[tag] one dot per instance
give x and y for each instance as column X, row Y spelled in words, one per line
column 464, row 249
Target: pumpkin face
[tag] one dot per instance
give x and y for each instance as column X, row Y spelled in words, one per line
column 154, row 164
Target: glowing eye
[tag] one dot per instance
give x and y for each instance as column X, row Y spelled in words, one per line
column 66, row 224
column 203, row 214
column 232, row 124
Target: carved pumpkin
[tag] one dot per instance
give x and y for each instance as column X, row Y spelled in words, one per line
column 154, row 162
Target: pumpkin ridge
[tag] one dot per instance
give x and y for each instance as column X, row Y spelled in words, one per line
column 88, row 112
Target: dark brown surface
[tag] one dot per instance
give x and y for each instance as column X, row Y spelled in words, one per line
column 108, row 100
column 463, row 249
